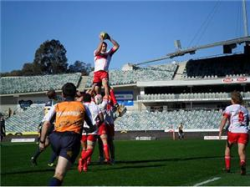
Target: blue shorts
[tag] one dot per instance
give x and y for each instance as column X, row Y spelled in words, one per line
column 66, row 144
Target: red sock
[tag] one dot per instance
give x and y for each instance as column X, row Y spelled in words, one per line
column 83, row 152
column 87, row 154
column 242, row 162
column 227, row 162
column 112, row 96
column 106, row 151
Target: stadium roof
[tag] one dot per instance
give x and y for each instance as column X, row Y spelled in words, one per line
column 230, row 44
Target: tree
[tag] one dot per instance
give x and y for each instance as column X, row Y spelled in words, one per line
column 28, row 69
column 78, row 66
column 50, row 58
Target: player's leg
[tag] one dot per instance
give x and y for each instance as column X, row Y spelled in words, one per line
column 242, row 143
column 106, row 87
column 228, row 156
column 33, row 159
column 68, row 148
column 62, row 166
column 231, row 139
column 111, row 134
column 100, row 147
column 118, row 109
column 97, row 83
column 53, row 154
column 38, row 152
column 242, row 155
column 52, row 159
column 112, row 149
column 104, row 139
column 84, row 148
column 112, row 97
column 93, row 88
column 102, row 131
column 90, row 147
column 98, row 88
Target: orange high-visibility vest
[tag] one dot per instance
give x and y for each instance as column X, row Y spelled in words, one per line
column 69, row 116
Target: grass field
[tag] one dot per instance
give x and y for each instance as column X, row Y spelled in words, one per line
column 138, row 163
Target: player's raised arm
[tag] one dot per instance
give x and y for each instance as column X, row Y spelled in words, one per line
column 116, row 46
column 99, row 47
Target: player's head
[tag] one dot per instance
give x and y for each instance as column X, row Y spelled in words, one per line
column 87, row 98
column 79, row 95
column 98, row 99
column 51, row 94
column 104, row 47
column 236, row 97
column 69, row 90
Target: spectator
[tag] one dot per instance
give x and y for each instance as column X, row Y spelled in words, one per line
column 180, row 131
column 2, row 123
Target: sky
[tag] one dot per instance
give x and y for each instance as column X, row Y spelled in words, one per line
column 145, row 30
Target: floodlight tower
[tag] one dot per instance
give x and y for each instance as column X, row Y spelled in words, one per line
column 245, row 17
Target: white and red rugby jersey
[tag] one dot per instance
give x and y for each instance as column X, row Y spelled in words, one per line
column 238, row 116
column 102, row 60
column 92, row 110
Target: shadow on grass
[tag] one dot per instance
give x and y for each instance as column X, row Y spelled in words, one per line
column 160, row 160
column 40, row 170
column 168, row 160
column 150, row 163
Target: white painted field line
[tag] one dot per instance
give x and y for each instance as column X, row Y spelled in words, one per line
column 207, row 181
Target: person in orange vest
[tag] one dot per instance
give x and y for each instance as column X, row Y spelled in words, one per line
column 66, row 137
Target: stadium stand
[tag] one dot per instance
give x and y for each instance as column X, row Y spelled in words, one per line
column 151, row 73
column 194, row 92
column 26, row 84
column 25, row 122
column 205, row 120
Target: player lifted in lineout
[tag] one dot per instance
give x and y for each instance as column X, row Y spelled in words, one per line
column 102, row 59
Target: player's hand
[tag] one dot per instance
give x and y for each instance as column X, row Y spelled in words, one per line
column 108, row 37
column 41, row 146
column 101, row 37
column 219, row 135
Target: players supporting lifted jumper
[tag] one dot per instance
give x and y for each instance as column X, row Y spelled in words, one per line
column 238, row 116
column 107, row 135
column 88, row 139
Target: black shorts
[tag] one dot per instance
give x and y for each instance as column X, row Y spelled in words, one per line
column 66, row 144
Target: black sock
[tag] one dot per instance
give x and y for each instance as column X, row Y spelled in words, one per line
column 38, row 152
column 55, row 182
